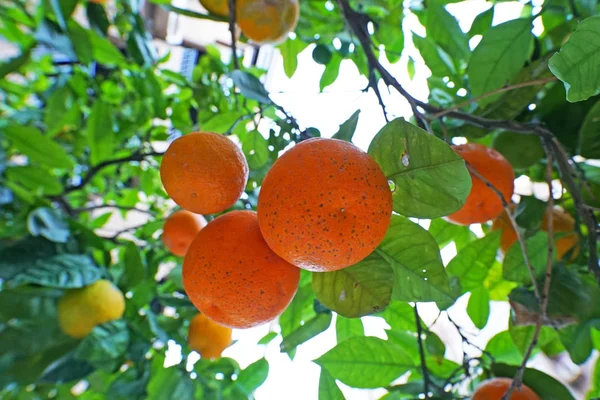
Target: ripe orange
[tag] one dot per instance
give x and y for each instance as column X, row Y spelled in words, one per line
column 483, row 203
column 494, row 389
column 324, row 205
column 562, row 222
column 267, row 21
column 217, row 7
column 207, row 337
column 180, row 229
column 205, row 173
column 232, row 276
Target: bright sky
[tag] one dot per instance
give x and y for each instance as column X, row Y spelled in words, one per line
column 298, row 379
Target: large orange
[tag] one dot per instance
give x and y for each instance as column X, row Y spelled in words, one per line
column 180, row 229
column 563, row 225
column 232, row 276
column 267, row 21
column 494, row 389
column 204, row 173
column 324, row 205
column 207, row 337
column 483, row 203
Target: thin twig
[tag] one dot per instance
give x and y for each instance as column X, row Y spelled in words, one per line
column 422, row 353
column 99, row 167
column 115, row 206
column 373, row 85
column 232, row 21
column 492, row 93
column 515, row 227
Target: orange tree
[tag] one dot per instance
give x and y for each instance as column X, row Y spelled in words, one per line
column 78, row 146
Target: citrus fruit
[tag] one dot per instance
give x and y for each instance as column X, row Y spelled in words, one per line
column 267, row 21
column 205, row 173
column 563, row 226
column 217, row 7
column 180, row 229
column 522, row 151
column 494, row 389
column 324, row 205
column 80, row 310
column 232, row 276
column 207, row 337
column 483, row 203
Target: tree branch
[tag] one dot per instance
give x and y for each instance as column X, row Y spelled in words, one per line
column 422, row 353
column 232, row 21
column 104, row 164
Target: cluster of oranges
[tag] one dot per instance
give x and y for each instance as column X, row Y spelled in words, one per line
column 262, row 21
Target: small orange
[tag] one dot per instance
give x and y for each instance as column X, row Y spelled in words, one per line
column 205, row 173
column 324, row 205
column 483, row 203
column 217, row 7
column 232, row 276
column 207, row 337
column 494, row 389
column 267, row 21
column 180, row 229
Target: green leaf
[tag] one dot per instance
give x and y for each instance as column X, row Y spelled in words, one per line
column 589, row 134
column 82, row 43
column 65, row 369
column 577, row 339
column 104, row 51
column 58, row 13
column 362, row 289
column 521, row 151
column 430, row 179
column 328, row 389
column 223, row 122
column 267, row 338
column 36, row 179
column 577, row 62
column 15, row 63
column 543, row 385
column 482, row 23
column 310, row 329
column 366, row 362
column 59, row 271
column 47, row 223
column 135, row 271
column 499, row 57
column 472, row 263
column 252, row 377
column 19, row 256
column 436, row 59
column 99, row 131
column 443, row 28
column 348, row 327
column 400, row 316
column 415, row 258
column 331, row 71
column 32, row 143
column 300, row 309
column 347, row 129
column 514, row 267
column 504, row 349
column 103, row 347
column 61, row 111
column 478, row 307
column 168, row 383
column 250, row 86
column 289, row 52
column 434, row 345
column 256, row 149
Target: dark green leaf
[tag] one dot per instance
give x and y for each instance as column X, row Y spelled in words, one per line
column 58, row 13
column 430, row 179
column 310, row 329
column 15, row 63
column 443, row 28
column 576, row 63
column 100, row 134
column 347, row 128
column 543, row 385
column 289, row 52
column 331, row 72
column 530, row 212
column 514, row 268
column 38, row 147
column 366, row 362
column 20, row 256
column 47, row 223
column 521, row 151
column 66, row 369
column 436, row 59
column 36, row 179
column 348, row 327
column 478, row 307
column 59, row 271
column 256, row 149
column 589, row 134
column 577, row 340
column 82, row 43
column 361, row 289
column 168, row 383
column 61, row 111
column 328, row 389
column 472, row 263
column 300, row 309
column 103, row 347
column 434, row 345
column 104, row 51
column 135, row 271
column 252, row 377
column 321, row 54
column 482, row 23
column 250, row 86
column 499, row 57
